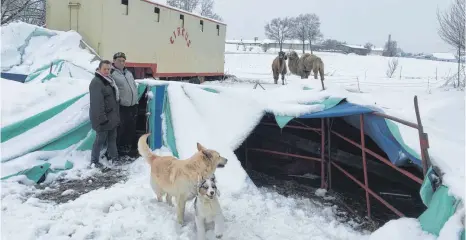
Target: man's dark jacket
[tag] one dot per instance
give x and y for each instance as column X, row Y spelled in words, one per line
column 104, row 107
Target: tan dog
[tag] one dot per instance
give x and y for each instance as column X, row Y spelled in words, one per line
column 179, row 178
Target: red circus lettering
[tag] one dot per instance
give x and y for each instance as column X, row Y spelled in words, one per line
column 183, row 32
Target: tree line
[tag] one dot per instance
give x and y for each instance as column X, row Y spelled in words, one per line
column 305, row 27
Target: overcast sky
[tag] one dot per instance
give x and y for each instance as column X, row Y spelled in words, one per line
column 412, row 23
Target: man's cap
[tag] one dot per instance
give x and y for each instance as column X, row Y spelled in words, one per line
column 119, row 55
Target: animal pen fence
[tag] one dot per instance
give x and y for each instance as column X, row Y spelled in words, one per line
column 326, row 162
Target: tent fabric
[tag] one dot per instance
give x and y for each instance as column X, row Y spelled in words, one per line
column 59, row 68
column 14, row 76
column 377, row 129
column 440, row 205
column 328, row 103
column 82, row 136
column 20, row 127
column 384, row 132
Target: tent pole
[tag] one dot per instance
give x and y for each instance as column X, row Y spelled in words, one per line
column 388, row 205
column 382, row 159
column 283, row 154
column 364, row 163
column 322, row 154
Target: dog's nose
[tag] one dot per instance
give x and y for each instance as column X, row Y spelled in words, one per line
column 211, row 192
column 226, row 160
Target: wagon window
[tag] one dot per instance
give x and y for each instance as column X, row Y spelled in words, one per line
column 218, row 30
column 125, row 2
column 182, row 20
column 201, row 24
column 157, row 14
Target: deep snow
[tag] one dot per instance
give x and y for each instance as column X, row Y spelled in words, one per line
column 127, row 210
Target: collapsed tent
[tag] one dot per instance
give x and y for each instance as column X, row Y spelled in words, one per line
column 68, row 129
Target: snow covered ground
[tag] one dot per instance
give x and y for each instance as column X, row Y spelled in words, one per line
column 127, row 210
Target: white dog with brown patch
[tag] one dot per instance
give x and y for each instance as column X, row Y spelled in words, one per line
column 207, row 208
column 179, row 178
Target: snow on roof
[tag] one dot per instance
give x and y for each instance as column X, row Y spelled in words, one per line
column 294, row 41
column 354, row 46
column 446, row 56
column 377, row 49
column 163, row 3
column 235, row 41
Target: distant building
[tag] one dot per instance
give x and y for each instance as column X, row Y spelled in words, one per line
column 446, row 57
column 376, row 51
column 356, row 49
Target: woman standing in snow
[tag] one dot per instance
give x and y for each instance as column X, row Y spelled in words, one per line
column 104, row 112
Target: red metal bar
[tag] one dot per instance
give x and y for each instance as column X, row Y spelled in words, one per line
column 284, row 154
column 364, row 164
column 295, row 127
column 407, row 123
column 322, row 155
column 406, row 173
column 423, row 140
column 388, row 205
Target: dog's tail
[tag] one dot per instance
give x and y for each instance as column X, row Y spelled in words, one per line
column 144, row 149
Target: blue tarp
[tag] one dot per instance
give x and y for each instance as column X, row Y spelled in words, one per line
column 340, row 110
column 14, row 76
column 374, row 126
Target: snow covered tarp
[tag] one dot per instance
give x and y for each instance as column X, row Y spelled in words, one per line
column 209, row 111
column 43, row 54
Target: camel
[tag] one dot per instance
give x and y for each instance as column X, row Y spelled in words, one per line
column 279, row 67
column 302, row 66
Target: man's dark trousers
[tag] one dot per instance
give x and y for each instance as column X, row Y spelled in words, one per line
column 126, row 138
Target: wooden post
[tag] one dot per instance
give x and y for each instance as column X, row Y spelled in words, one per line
column 423, row 139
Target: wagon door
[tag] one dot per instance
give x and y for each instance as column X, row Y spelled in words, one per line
column 74, row 15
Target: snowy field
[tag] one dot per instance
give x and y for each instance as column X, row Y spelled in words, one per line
column 128, row 210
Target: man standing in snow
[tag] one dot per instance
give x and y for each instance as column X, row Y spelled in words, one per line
column 104, row 113
column 128, row 104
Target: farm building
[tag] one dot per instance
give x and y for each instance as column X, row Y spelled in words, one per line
column 376, row 51
column 360, row 50
column 158, row 40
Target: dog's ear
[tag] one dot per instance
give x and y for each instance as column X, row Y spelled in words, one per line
column 218, row 192
column 200, row 147
column 207, row 154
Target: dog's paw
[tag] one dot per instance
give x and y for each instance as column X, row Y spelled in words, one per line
column 219, row 235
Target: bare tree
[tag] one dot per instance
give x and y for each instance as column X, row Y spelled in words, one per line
column 279, row 29
column 187, row 5
column 392, row 66
column 206, row 10
column 306, row 27
column 452, row 24
column 29, row 11
column 313, row 30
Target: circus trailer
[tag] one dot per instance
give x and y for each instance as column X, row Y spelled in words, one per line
column 158, row 40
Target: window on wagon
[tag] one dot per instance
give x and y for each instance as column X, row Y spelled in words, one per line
column 157, row 14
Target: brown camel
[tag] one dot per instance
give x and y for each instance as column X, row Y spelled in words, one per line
column 279, row 67
column 302, row 66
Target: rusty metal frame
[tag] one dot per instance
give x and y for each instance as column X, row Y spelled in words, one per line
column 423, row 138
